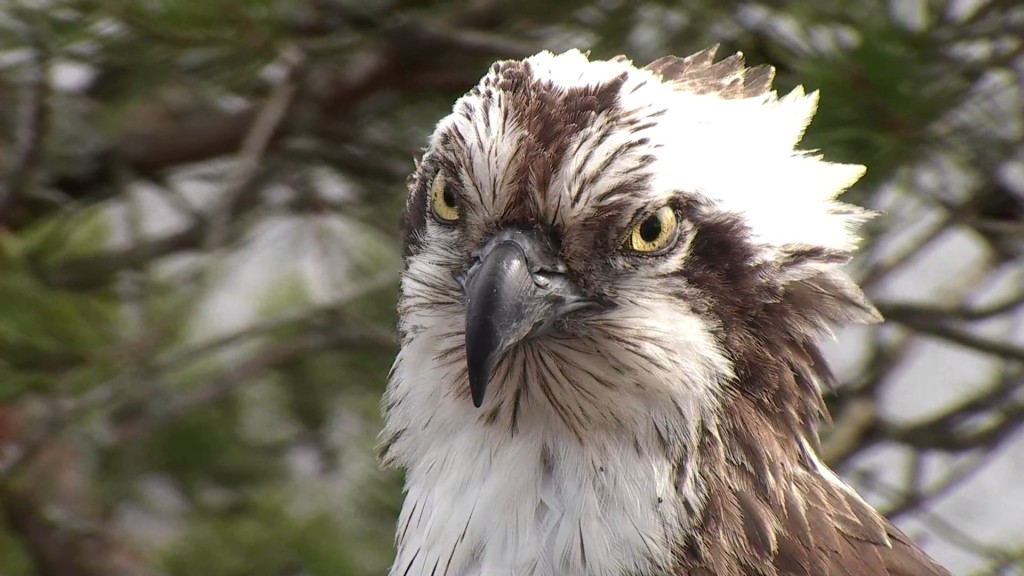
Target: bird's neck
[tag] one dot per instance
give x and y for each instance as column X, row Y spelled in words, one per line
column 483, row 502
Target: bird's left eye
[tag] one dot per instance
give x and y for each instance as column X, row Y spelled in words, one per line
column 656, row 232
column 442, row 200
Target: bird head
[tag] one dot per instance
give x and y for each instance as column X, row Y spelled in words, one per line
column 585, row 239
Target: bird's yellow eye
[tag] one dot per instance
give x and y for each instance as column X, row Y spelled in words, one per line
column 655, row 232
column 442, row 200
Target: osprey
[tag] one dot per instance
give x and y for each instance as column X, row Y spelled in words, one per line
column 614, row 281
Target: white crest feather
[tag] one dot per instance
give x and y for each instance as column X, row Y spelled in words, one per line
column 739, row 153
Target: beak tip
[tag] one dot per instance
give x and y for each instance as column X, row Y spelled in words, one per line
column 477, row 390
column 478, row 377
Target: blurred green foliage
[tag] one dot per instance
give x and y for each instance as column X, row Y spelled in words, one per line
column 220, row 398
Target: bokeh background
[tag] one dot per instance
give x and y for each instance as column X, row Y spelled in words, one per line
column 199, row 260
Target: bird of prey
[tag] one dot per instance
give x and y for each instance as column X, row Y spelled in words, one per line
column 614, row 281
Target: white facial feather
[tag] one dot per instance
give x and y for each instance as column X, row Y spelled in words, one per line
column 482, row 501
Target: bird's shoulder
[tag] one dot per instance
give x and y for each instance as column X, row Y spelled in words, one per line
column 807, row 522
column 841, row 535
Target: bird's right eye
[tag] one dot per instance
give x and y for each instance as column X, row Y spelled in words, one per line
column 442, row 200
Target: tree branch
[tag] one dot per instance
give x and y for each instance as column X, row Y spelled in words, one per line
column 352, row 337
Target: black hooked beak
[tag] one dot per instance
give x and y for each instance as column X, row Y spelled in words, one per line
column 515, row 288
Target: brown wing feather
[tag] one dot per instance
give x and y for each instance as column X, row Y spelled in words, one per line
column 787, row 519
column 812, row 537
column 798, row 523
column 815, row 556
